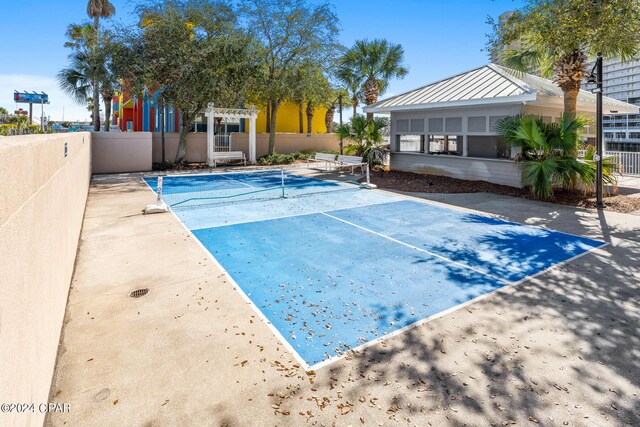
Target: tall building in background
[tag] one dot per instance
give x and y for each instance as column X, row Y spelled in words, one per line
column 495, row 53
column 621, row 80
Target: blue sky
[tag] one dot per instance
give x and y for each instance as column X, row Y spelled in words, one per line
column 440, row 38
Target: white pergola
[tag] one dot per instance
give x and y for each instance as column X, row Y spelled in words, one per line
column 230, row 113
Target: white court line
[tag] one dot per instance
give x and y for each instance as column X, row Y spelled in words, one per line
column 391, row 334
column 477, row 270
column 246, row 298
column 417, row 323
column 236, row 180
column 452, row 207
column 293, row 215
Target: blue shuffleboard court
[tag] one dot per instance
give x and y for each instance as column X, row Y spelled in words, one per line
column 333, row 267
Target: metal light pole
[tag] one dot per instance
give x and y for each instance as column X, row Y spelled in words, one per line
column 599, row 150
column 339, row 99
column 340, row 104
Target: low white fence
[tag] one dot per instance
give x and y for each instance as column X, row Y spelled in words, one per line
column 629, row 161
column 222, row 143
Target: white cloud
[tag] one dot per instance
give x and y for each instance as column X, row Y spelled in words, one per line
column 59, row 101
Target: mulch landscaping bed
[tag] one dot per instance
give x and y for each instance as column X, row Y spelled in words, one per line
column 417, row 183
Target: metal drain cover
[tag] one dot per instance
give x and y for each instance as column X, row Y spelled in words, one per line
column 139, row 293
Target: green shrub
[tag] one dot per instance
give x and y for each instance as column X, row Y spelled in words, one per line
column 278, row 159
column 548, row 154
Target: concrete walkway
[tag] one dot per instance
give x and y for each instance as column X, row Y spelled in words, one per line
column 560, row 349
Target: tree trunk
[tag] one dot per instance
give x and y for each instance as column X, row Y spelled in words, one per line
column 310, row 112
column 355, row 106
column 570, row 101
column 182, row 144
column 328, row 119
column 268, row 116
column 370, row 117
column 96, row 87
column 272, row 127
column 162, row 123
column 300, row 117
column 371, row 93
column 107, row 112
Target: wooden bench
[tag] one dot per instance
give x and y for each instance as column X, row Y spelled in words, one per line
column 353, row 161
column 327, row 158
column 225, row 156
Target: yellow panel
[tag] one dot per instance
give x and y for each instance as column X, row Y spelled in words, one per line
column 287, row 120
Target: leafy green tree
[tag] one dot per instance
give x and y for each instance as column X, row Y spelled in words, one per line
column 97, row 9
column 557, row 37
column 290, row 33
column 547, row 153
column 375, row 62
column 366, row 137
column 3, row 111
column 194, row 51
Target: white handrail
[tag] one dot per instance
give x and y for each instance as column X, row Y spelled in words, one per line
column 629, row 161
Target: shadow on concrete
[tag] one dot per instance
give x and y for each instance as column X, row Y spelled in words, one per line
column 559, row 349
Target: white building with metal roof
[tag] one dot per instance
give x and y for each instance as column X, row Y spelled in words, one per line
column 449, row 127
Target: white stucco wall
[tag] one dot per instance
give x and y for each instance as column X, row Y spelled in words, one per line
column 43, row 194
column 115, row 152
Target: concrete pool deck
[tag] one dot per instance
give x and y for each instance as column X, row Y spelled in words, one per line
column 561, row 348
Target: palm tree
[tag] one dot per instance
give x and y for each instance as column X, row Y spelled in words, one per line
column 353, row 83
column 547, row 153
column 107, row 91
column 566, row 69
column 97, row 9
column 88, row 65
column 375, row 62
column 77, row 79
column 366, row 137
column 557, row 37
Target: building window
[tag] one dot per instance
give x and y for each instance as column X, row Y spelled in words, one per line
column 477, row 124
column 435, row 125
column 445, row 144
column 417, row 125
column 402, row 125
column 488, row 147
column 410, row 143
column 453, row 124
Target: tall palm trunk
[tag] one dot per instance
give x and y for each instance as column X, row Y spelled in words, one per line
column 107, row 112
column 310, row 112
column 570, row 102
column 268, row 125
column 328, row 119
column 354, row 102
column 95, row 83
column 274, row 104
column 371, row 92
column 569, row 72
column 300, row 118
